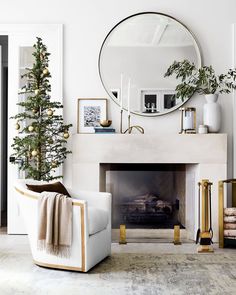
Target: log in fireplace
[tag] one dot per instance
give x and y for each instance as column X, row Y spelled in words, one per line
column 147, row 209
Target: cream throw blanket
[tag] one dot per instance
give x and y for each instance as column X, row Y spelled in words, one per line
column 55, row 224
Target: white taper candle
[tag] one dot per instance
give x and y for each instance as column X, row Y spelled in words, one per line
column 121, row 91
column 129, row 82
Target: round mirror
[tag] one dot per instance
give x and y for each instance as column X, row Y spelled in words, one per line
column 136, row 54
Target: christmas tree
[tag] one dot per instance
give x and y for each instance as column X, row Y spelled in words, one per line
column 39, row 147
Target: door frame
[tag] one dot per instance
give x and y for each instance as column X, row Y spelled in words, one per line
column 233, row 30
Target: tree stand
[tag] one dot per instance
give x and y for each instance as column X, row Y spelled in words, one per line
column 205, row 232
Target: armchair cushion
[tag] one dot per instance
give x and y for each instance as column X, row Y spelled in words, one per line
column 56, row 187
column 97, row 220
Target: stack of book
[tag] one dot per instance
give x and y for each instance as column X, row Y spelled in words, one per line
column 99, row 130
column 230, row 223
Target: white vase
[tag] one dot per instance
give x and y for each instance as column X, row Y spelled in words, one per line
column 212, row 113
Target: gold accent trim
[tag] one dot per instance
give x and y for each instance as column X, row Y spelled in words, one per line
column 82, row 237
column 221, row 206
column 122, row 234
column 81, row 205
column 176, row 240
column 58, row 266
column 221, row 213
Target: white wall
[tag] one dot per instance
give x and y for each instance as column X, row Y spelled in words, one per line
column 86, row 24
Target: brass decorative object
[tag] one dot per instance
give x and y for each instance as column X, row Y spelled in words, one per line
column 188, row 120
column 205, row 232
column 105, row 123
column 177, row 235
column 131, row 128
column 17, row 126
column 122, row 234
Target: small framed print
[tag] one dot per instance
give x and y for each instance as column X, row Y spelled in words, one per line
column 157, row 100
column 90, row 112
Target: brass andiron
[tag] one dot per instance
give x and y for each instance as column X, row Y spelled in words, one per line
column 205, row 232
column 177, row 235
column 122, row 234
column 131, row 128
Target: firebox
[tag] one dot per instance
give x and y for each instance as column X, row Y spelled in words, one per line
column 147, row 196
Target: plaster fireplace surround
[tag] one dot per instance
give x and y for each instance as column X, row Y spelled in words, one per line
column 98, row 160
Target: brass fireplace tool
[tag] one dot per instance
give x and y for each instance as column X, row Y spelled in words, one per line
column 130, row 128
column 205, row 232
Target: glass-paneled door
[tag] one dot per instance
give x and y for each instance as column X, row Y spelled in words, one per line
column 21, row 40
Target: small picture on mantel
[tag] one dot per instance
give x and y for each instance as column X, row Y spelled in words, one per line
column 90, row 112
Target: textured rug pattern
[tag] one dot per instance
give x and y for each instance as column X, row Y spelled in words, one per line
column 123, row 274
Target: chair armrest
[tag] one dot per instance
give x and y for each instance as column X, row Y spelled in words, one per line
column 95, row 199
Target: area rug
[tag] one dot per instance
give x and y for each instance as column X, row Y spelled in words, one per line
column 124, row 274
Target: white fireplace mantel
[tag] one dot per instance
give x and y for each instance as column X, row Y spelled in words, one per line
column 137, row 148
column 207, row 153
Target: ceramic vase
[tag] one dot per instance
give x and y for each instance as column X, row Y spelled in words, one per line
column 212, row 113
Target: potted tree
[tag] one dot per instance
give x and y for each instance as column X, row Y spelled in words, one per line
column 40, row 146
column 203, row 81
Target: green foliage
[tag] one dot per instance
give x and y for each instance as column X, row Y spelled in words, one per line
column 40, row 146
column 202, row 80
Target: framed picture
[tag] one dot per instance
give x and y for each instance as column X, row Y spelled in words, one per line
column 157, row 100
column 90, row 112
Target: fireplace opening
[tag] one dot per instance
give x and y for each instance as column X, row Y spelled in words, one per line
column 147, row 196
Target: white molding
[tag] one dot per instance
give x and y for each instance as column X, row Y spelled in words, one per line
column 1, row 131
column 234, row 99
column 23, row 35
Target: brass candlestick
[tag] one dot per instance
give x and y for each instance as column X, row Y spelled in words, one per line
column 130, row 128
column 121, row 120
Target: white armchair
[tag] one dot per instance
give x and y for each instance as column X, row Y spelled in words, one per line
column 91, row 229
